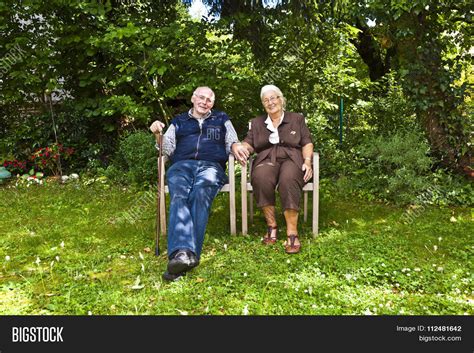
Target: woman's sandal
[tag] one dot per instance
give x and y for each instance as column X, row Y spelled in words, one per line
column 268, row 239
column 290, row 246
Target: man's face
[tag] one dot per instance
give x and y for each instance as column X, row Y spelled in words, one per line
column 203, row 101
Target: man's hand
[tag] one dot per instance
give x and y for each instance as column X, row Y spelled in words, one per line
column 157, row 127
column 240, row 152
column 308, row 171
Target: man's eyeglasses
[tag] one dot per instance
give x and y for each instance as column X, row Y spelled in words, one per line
column 204, row 98
column 272, row 99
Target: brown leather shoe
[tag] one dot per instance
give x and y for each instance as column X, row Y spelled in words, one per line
column 290, row 246
column 268, row 239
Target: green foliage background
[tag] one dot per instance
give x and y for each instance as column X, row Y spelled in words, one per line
column 112, row 67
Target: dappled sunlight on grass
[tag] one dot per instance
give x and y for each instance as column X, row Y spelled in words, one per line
column 14, row 300
column 68, row 258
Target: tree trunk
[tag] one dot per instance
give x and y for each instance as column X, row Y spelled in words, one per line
column 370, row 52
column 437, row 106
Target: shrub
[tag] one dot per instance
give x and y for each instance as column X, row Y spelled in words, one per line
column 136, row 159
column 16, row 167
column 51, row 158
column 450, row 189
column 396, row 168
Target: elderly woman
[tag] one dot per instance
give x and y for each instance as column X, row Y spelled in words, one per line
column 284, row 150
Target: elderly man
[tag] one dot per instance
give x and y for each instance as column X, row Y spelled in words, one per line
column 198, row 143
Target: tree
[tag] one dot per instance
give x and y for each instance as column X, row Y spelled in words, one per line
column 425, row 42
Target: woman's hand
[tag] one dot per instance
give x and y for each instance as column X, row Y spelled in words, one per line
column 240, row 152
column 308, row 170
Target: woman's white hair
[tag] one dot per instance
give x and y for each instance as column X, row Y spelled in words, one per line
column 268, row 88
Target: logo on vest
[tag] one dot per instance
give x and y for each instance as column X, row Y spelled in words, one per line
column 213, row 133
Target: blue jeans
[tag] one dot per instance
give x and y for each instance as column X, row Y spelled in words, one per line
column 193, row 185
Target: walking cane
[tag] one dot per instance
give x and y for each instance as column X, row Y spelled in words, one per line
column 158, row 198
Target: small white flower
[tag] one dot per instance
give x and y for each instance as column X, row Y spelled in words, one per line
column 137, row 284
column 440, row 269
column 57, row 258
column 348, row 276
column 314, row 306
column 440, row 238
column 245, row 310
column 367, row 312
column 74, row 176
column 225, row 247
column 38, row 261
column 435, row 247
column 89, row 313
column 245, row 274
column 123, row 257
column 417, row 269
column 7, row 258
column 288, row 261
column 62, row 244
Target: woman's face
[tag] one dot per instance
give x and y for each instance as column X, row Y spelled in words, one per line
column 272, row 102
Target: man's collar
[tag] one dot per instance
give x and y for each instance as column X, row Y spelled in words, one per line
column 190, row 114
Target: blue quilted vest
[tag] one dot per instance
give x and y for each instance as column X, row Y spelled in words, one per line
column 206, row 142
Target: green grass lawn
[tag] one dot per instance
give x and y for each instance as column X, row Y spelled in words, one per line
column 64, row 250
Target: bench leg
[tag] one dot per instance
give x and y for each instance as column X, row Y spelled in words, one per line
column 243, row 195
column 305, row 206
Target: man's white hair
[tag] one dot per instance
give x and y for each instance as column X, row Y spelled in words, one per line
column 205, row 87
